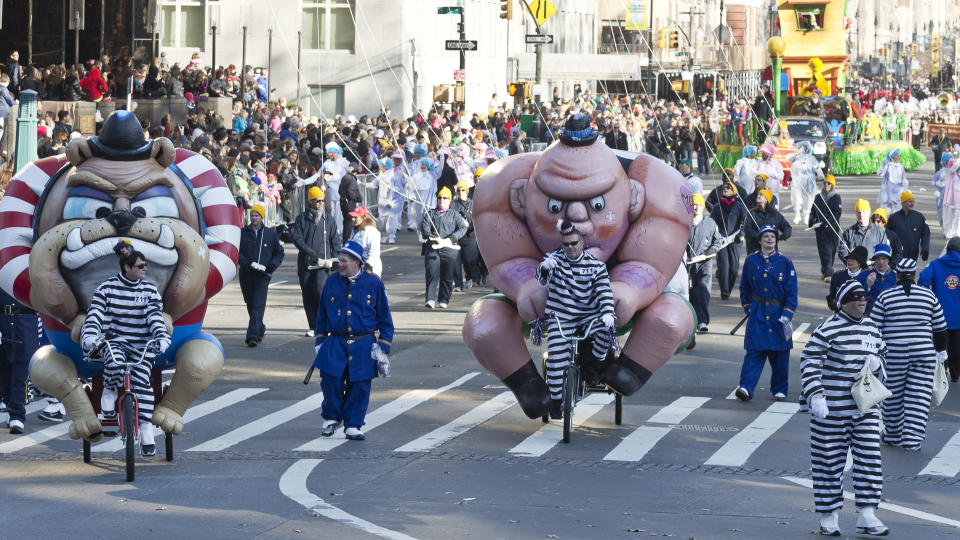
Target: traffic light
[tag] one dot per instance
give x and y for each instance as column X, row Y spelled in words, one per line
column 506, row 10
column 515, row 89
column 662, row 38
column 674, row 39
column 913, row 50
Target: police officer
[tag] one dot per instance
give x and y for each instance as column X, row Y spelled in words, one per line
column 911, row 228
column 442, row 229
column 825, row 218
column 260, row 254
column 704, row 240
column 881, row 277
column 768, row 294
column 314, row 232
column 18, row 342
column 353, row 307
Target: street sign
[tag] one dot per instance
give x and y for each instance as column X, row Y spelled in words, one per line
column 451, row 10
column 696, row 67
column 539, row 38
column 541, row 10
column 459, row 75
column 683, row 53
column 461, row 44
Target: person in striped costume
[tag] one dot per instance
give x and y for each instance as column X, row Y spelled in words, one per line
column 915, row 330
column 578, row 292
column 832, row 358
column 130, row 308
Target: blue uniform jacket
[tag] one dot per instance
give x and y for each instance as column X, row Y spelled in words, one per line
column 768, row 289
column 351, row 308
column 943, row 277
column 270, row 254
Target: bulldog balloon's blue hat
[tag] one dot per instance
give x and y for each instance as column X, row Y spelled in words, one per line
column 121, row 139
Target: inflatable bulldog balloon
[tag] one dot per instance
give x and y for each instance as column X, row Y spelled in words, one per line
column 634, row 213
column 59, row 221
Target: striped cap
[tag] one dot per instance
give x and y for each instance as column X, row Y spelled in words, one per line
column 907, row 266
column 848, row 291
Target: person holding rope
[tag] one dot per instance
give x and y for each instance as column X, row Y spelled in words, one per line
column 314, row 233
column 825, row 220
column 261, row 252
column 702, row 245
column 764, row 214
column 578, row 290
column 441, row 229
column 861, row 233
column 730, row 215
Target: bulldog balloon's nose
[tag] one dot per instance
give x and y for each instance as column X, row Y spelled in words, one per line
column 122, row 220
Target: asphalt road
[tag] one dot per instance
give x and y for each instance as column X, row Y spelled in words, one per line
column 448, row 454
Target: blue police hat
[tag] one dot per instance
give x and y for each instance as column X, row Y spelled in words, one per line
column 768, row 228
column 882, row 249
column 354, row 249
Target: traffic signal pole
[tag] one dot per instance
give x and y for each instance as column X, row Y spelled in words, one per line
column 463, row 37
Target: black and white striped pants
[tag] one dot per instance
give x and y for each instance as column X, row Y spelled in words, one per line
column 558, row 352
column 139, row 383
column 905, row 412
column 830, row 438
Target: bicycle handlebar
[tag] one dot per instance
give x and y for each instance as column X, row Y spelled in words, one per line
column 107, row 342
column 574, row 337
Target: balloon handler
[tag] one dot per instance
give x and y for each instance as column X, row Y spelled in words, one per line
column 64, row 215
column 634, row 213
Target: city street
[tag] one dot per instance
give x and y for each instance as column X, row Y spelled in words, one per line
column 449, row 454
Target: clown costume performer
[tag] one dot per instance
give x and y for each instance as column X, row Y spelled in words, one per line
column 421, row 190
column 745, row 170
column 894, row 181
column 804, row 173
column 772, row 168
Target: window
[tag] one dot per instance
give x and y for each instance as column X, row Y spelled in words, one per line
column 182, row 24
column 810, row 18
column 328, row 25
column 328, row 98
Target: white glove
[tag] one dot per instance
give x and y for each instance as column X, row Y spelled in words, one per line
column 258, row 267
column 88, row 343
column 874, row 363
column 163, row 345
column 818, row 406
column 548, row 265
column 941, row 357
column 608, row 321
column 316, row 348
column 787, row 327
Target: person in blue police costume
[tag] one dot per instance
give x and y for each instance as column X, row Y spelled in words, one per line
column 353, row 307
column 20, row 338
column 768, row 294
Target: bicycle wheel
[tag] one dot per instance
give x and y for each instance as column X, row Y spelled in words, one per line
column 129, row 433
column 571, row 382
column 618, row 410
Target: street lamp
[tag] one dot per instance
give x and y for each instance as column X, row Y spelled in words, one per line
column 214, row 30
column 776, row 46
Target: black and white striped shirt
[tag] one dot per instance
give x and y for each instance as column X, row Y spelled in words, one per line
column 578, row 290
column 908, row 322
column 834, row 356
column 133, row 310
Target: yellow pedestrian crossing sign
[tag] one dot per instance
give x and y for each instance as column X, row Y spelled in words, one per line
column 541, row 10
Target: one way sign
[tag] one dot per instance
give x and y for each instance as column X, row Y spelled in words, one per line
column 539, row 38
column 461, row 44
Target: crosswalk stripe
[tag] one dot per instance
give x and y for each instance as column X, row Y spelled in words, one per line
column 736, row 451
column 947, row 461
column 549, row 435
column 384, row 414
column 261, row 425
column 800, row 330
column 644, row 438
column 37, row 437
column 31, row 408
column 462, row 424
column 193, row 413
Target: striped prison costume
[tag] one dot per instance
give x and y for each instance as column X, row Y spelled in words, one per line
column 578, row 292
column 133, row 311
column 833, row 356
column 914, row 329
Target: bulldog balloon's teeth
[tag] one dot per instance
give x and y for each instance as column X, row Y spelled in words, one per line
column 165, row 240
column 74, row 241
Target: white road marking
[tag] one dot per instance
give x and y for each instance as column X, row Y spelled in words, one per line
column 31, row 408
column 281, row 282
column 738, row 449
column 293, row 484
column 549, row 435
column 644, row 438
column 800, row 330
column 29, row 439
column 919, row 514
column 261, row 425
column 732, row 394
column 384, row 414
column 947, row 461
column 462, row 424
column 389, row 249
column 193, row 413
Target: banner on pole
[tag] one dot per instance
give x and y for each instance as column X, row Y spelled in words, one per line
column 638, row 15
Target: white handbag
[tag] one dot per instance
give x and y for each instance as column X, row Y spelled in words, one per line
column 867, row 390
column 941, row 384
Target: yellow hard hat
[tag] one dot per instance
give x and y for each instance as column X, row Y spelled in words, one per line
column 906, row 196
column 698, row 199
column 314, row 193
column 445, row 191
column 882, row 212
column 761, row 177
column 767, row 194
column 258, row 208
column 861, row 206
column 830, row 180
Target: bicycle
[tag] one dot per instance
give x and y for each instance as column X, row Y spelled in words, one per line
column 575, row 385
column 127, row 414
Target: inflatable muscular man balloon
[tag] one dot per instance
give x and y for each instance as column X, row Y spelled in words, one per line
column 635, row 214
column 59, row 221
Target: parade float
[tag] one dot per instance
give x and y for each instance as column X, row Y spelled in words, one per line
column 809, row 63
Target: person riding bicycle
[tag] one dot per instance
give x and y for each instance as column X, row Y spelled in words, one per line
column 578, row 292
column 130, row 308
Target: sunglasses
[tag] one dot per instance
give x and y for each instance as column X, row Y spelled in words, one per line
column 571, row 244
column 141, row 266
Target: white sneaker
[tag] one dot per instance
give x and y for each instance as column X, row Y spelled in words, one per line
column 16, row 427
column 108, row 401
column 354, row 434
column 391, row 240
column 308, row 333
column 430, row 304
column 830, row 523
column 869, row 524
column 442, row 305
column 468, row 284
column 779, row 396
column 146, row 434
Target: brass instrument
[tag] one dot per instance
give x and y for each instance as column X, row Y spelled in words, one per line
column 944, row 100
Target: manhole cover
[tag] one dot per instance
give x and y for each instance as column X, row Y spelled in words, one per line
column 693, row 427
